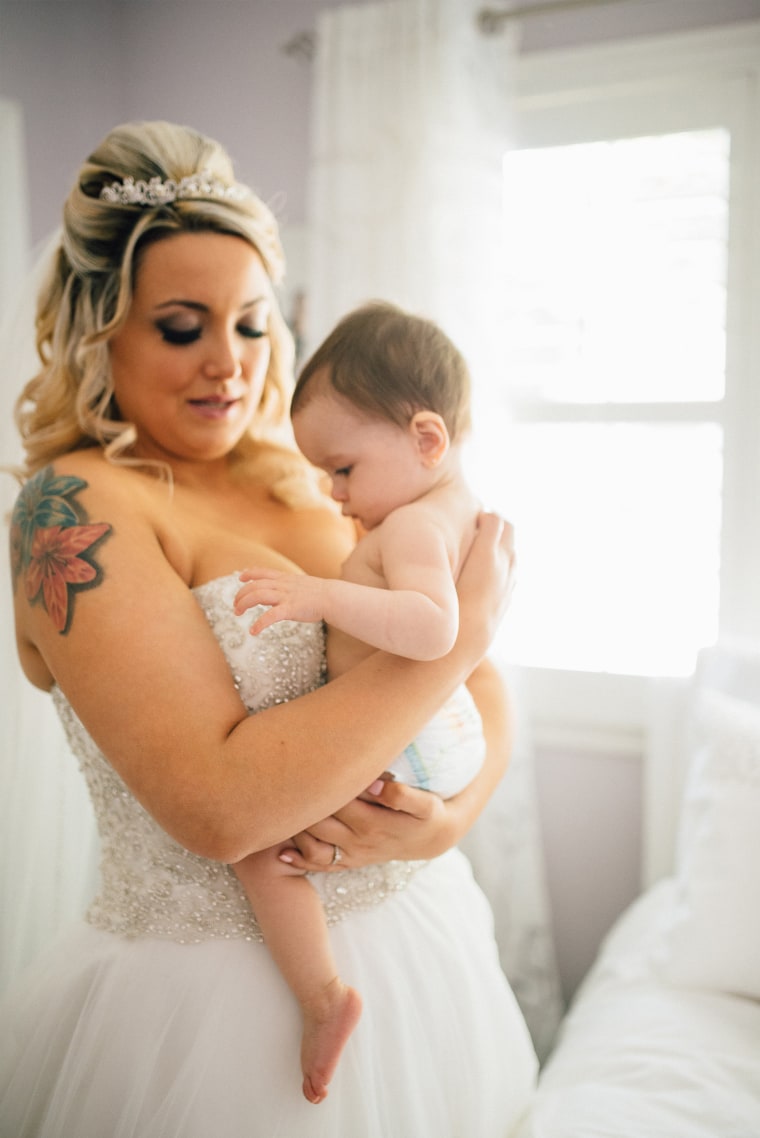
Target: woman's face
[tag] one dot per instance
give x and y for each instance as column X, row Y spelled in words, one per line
column 189, row 362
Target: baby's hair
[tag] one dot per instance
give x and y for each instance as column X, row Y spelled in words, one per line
column 390, row 363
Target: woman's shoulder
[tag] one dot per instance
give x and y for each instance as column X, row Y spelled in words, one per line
column 92, row 469
column 85, row 463
column 84, row 483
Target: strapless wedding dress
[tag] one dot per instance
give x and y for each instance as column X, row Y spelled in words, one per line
column 162, row 1014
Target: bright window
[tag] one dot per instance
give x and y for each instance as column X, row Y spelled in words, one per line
column 610, row 415
column 618, row 417
column 616, row 260
column 619, row 537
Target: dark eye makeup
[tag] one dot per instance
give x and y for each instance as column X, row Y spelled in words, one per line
column 178, row 335
column 173, row 335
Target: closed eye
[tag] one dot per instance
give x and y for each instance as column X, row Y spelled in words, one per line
column 344, row 471
column 191, row 335
column 179, row 335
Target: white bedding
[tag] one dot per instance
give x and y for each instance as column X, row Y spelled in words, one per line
column 662, row 1039
column 638, row 1057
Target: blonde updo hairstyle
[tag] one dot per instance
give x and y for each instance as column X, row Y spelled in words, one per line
column 87, row 293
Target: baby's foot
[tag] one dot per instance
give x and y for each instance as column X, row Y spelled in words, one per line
column 326, row 1028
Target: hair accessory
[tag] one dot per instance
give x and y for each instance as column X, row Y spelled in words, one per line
column 157, row 192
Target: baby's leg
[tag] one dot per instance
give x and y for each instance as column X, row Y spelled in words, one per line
column 291, row 917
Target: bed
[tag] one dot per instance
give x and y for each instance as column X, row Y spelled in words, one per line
column 662, row 1039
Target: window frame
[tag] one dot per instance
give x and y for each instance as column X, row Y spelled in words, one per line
column 658, row 85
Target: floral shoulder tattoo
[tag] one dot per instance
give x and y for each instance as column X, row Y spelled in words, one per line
column 53, row 544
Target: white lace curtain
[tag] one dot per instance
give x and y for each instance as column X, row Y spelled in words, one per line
column 411, row 119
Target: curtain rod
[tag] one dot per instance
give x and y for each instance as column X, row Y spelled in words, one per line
column 490, row 20
column 301, row 46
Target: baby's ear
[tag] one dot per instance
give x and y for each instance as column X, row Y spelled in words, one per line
column 431, row 436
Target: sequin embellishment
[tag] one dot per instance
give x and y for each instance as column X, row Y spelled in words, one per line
column 150, row 885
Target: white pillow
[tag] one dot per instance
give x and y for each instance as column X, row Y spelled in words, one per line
column 711, row 936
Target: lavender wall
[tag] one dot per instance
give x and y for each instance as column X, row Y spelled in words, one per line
column 79, row 68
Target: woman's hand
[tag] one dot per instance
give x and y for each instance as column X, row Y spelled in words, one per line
column 486, row 581
column 389, row 822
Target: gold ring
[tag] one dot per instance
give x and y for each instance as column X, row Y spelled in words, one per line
column 337, row 855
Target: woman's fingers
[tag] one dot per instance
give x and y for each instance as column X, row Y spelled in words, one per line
column 317, row 855
column 419, row 804
column 487, row 579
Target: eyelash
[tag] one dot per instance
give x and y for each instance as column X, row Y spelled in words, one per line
column 191, row 335
column 344, row 470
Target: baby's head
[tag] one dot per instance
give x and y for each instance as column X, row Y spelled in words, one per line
column 381, row 406
column 391, row 364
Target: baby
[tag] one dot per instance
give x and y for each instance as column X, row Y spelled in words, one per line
column 382, row 407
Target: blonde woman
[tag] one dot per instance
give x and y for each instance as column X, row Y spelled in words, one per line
column 155, row 470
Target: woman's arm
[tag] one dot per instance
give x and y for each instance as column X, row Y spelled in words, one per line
column 403, row 823
column 143, row 671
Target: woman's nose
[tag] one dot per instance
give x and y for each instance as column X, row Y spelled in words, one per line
column 223, row 359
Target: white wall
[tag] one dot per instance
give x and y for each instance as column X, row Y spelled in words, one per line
column 590, row 805
column 78, row 68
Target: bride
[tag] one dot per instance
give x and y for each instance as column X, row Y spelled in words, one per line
column 156, row 467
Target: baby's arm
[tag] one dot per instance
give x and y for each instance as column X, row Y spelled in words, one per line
column 416, row 615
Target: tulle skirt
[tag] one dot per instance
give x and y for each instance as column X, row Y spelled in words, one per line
column 108, row 1037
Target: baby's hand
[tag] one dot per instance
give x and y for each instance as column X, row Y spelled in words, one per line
column 291, row 596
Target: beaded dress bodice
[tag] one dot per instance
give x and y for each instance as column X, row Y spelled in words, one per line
column 150, row 885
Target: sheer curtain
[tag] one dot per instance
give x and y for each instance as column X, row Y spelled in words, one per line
column 411, row 119
column 47, row 834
